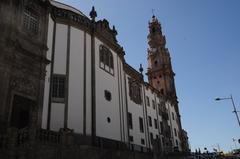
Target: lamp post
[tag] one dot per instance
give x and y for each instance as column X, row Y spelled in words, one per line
column 234, row 108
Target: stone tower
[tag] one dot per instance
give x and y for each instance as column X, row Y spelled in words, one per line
column 160, row 73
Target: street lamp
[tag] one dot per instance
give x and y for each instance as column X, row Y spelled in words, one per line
column 234, row 108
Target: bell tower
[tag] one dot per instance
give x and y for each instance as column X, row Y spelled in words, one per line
column 160, row 74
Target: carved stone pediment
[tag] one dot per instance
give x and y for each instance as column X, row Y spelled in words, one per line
column 135, row 91
column 102, row 26
column 24, row 85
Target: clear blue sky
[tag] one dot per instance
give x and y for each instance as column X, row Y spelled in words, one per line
column 203, row 37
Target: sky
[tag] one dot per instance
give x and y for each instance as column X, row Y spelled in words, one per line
column 203, row 37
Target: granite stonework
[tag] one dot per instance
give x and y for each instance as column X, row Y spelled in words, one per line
column 22, row 64
column 44, row 144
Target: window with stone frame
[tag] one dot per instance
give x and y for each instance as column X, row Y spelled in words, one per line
column 175, row 131
column 155, row 123
column 173, row 118
column 130, row 138
column 150, row 121
column 147, row 99
column 153, row 104
column 106, row 59
column 151, row 138
column 159, row 109
column 141, row 124
column 161, row 127
column 108, row 95
column 130, row 124
column 135, row 91
column 30, row 20
column 58, row 88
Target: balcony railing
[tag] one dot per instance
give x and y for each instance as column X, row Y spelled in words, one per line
column 47, row 136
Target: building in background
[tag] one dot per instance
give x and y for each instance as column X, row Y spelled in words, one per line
column 89, row 89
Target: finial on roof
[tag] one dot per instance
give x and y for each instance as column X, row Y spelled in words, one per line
column 141, row 69
column 114, row 30
column 93, row 14
column 153, row 13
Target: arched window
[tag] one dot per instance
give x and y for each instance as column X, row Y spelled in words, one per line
column 106, row 59
column 135, row 91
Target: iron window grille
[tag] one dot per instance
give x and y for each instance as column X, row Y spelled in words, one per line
column 58, row 88
column 30, row 20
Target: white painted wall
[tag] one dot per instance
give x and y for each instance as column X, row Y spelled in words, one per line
column 76, row 79
column 60, row 49
column 47, row 77
column 124, row 105
column 152, row 113
column 174, row 125
column 104, row 108
column 57, row 114
column 88, row 86
column 137, row 111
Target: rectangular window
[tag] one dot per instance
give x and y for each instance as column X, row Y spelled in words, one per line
column 130, row 138
column 150, row 121
column 175, row 131
column 159, row 109
column 134, row 91
column 106, row 59
column 58, row 88
column 142, row 141
column 30, row 20
column 173, row 116
column 130, row 125
column 155, row 123
column 141, row 124
column 151, row 138
column 161, row 127
column 147, row 99
column 169, row 134
column 153, row 104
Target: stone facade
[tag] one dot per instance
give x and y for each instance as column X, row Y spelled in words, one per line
column 22, row 63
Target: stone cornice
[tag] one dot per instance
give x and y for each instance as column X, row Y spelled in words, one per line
column 149, row 86
column 100, row 28
column 133, row 73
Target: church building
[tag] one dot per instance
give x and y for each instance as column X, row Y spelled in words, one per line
column 69, row 74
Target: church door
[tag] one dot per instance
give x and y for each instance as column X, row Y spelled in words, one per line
column 20, row 117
